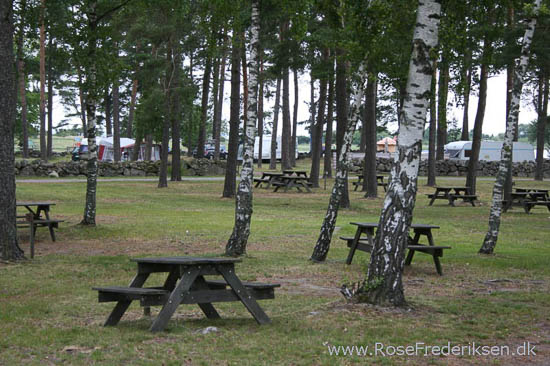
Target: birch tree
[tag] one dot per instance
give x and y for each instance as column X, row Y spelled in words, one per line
column 243, row 207
column 327, row 228
column 495, row 213
column 9, row 250
column 384, row 278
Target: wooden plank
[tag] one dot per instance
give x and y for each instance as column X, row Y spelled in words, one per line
column 122, row 306
column 206, row 306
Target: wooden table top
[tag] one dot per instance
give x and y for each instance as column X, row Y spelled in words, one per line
column 35, row 203
column 275, row 174
column 186, row 260
column 413, row 226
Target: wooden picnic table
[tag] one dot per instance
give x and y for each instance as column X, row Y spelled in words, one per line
column 446, row 193
column 379, row 182
column 38, row 216
column 527, row 200
column 299, row 173
column 366, row 244
column 268, row 178
column 534, row 190
column 291, row 181
column 185, row 284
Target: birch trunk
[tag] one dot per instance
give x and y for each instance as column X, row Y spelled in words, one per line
column 82, row 105
column 260, row 112
column 218, row 115
column 91, row 102
column 384, row 279
column 204, row 107
column 325, row 236
column 273, row 160
column 243, row 207
column 521, row 67
column 9, row 249
column 327, row 167
column 293, row 140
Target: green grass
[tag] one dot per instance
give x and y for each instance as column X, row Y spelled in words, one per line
column 49, row 314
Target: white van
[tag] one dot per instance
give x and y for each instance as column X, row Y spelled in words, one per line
column 266, row 149
column 489, row 151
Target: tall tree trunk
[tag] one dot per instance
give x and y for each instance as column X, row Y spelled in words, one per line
column 286, row 132
column 116, row 121
column 243, row 206
column 273, row 160
column 108, row 106
column 175, row 175
column 9, row 249
column 163, row 173
column 82, row 105
column 191, row 110
column 148, row 147
column 327, row 228
column 312, row 109
column 327, row 168
column 233, row 143
column 245, row 82
column 42, row 109
column 491, row 237
column 384, row 283
column 342, row 107
column 137, row 146
column 50, row 77
column 433, row 128
column 467, row 78
column 541, row 130
column 204, row 106
column 370, row 184
column 317, row 133
column 218, row 112
column 132, row 109
column 442, row 108
column 21, row 78
column 91, row 103
column 478, row 125
column 509, row 89
column 294, row 137
column 215, row 100
column 261, row 112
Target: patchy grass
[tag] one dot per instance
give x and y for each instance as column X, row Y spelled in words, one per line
column 50, row 315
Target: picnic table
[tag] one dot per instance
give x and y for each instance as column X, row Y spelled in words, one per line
column 38, row 215
column 365, row 244
column 185, row 284
column 379, row 182
column 298, row 173
column 268, row 178
column 527, row 198
column 451, row 194
column 291, row 181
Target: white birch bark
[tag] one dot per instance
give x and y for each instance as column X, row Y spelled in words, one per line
column 91, row 102
column 384, row 279
column 495, row 213
column 243, row 207
column 327, row 228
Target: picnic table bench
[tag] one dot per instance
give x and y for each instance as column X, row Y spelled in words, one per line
column 38, row 215
column 366, row 244
column 185, row 284
column 446, row 193
column 379, row 181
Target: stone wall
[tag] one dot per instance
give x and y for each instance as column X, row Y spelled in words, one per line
column 39, row 168
column 460, row 168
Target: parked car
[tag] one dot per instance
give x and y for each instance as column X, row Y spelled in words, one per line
column 78, row 152
column 209, row 152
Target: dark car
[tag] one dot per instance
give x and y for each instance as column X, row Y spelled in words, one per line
column 209, row 152
column 78, row 152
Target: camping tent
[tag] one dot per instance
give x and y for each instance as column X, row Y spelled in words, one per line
column 387, row 144
column 106, row 153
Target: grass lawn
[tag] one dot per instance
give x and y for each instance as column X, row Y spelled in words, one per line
column 50, row 315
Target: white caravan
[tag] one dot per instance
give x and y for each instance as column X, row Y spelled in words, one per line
column 489, row 151
column 266, row 149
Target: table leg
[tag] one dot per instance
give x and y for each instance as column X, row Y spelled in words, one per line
column 437, row 265
column 410, row 255
column 433, row 199
column 175, row 298
column 241, row 292
column 207, row 308
column 122, row 306
column 355, row 243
